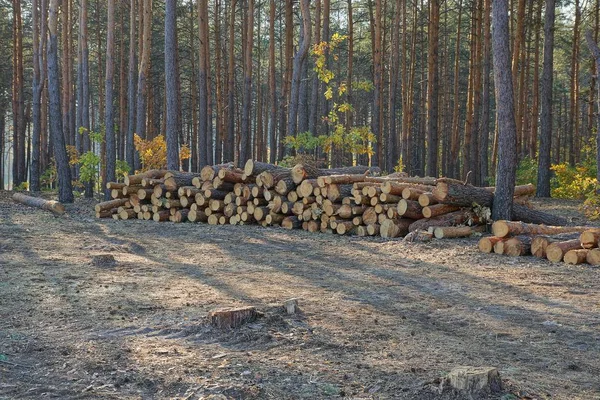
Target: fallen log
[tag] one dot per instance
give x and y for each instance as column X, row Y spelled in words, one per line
column 539, row 244
column 448, row 232
column 512, row 228
column 175, row 179
column 438, row 209
column 556, row 251
column 593, row 257
column 392, row 228
column 578, row 256
column 137, row 179
column 518, row 246
column 486, row 244
column 107, row 205
column 301, row 172
column 50, row 205
column 589, row 238
column 253, row 167
column 409, row 209
column 459, row 217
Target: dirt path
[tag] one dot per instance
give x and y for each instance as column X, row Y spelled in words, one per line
column 380, row 319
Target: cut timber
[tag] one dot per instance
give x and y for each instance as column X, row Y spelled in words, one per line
column 209, row 172
column 306, row 187
column 512, row 228
column 486, row 244
column 438, row 209
column 577, row 256
column 291, row 222
column 410, row 193
column 336, row 192
column 230, row 175
column 161, row 216
column 197, row 216
column 54, row 206
column 409, row 209
column 475, row 382
column 456, row 231
column 137, row 179
column 449, row 192
column 556, row 251
column 540, row 243
column 389, row 198
column 524, row 190
column 593, row 257
column 427, row 199
column 274, row 219
column 340, row 179
column 107, row 205
column 344, row 227
column 285, row 186
column 253, row 167
column 181, row 215
column 177, row 179
column 589, row 238
column 373, row 229
column 518, row 246
column 127, row 214
column 459, row 217
column 269, row 179
column 230, row 318
column 301, row 172
column 392, row 228
column 369, row 216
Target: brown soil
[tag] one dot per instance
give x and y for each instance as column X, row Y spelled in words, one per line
column 379, row 319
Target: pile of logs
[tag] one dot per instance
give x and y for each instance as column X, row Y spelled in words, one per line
column 571, row 244
column 350, row 200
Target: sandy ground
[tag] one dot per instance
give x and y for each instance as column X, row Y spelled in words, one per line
column 379, row 319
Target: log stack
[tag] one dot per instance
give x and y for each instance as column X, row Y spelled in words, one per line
column 351, row 200
column 571, row 244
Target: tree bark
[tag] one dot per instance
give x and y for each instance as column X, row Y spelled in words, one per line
column 109, row 124
column 246, row 132
column 301, row 54
column 144, row 69
column 171, row 84
column 65, row 190
column 432, row 88
column 543, row 180
column 505, row 174
column 593, row 46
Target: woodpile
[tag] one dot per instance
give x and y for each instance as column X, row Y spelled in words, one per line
column 571, row 244
column 351, row 200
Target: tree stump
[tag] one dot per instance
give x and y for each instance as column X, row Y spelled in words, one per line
column 232, row 317
column 475, row 381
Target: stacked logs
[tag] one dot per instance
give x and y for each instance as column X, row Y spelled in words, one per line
column 571, row 244
column 350, row 200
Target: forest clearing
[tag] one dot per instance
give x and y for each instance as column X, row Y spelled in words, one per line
column 378, row 318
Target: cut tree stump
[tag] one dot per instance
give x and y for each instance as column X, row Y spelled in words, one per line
column 48, row 205
column 291, row 306
column 475, row 381
column 229, row 318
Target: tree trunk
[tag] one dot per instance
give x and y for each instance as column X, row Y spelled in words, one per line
column 129, row 144
column 378, row 89
column 230, row 148
column 171, row 84
column 65, row 190
column 144, row 69
column 455, row 138
column 272, row 85
column 39, row 21
column 593, row 46
column 432, row 88
column 246, row 132
column 391, row 151
column 109, row 124
column 301, row 54
column 484, row 127
column 505, row 174
column 543, row 180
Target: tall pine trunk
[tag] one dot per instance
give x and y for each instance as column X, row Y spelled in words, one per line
column 171, row 84
column 505, row 109
column 65, row 189
column 543, row 181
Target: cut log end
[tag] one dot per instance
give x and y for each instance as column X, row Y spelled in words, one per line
column 231, row 318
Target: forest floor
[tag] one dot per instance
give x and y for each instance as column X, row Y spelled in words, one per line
column 379, row 319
